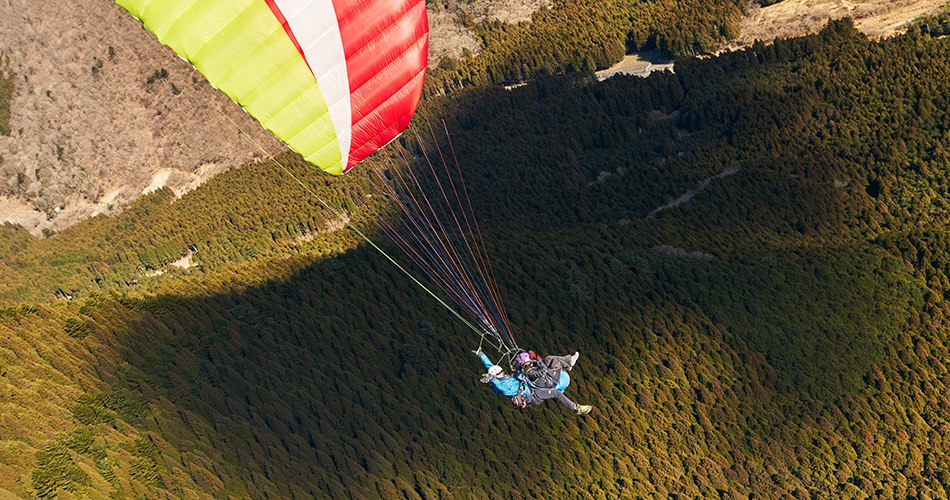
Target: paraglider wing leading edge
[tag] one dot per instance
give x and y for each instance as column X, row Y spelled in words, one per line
column 334, row 79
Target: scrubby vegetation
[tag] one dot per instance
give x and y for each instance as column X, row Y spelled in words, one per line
column 7, row 86
column 783, row 332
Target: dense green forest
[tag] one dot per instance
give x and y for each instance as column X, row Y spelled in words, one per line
column 584, row 35
column 784, row 331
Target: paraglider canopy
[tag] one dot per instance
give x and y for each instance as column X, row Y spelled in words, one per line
column 334, row 79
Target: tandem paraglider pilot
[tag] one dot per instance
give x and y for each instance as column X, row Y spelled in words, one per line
column 535, row 381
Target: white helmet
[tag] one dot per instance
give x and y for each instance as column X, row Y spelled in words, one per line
column 494, row 370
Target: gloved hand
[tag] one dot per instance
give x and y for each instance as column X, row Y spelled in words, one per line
column 477, row 352
column 486, row 378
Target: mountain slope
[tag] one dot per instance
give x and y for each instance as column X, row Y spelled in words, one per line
column 100, row 111
column 94, row 112
column 782, row 332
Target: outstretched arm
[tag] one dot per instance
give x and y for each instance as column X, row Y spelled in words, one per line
column 485, row 361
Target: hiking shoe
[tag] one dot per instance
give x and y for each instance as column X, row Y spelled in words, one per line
column 583, row 409
column 573, row 360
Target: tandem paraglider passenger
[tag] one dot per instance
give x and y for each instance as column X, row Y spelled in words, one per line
column 535, row 381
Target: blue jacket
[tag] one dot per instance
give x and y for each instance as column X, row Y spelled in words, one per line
column 508, row 385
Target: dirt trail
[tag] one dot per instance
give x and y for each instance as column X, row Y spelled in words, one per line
column 687, row 196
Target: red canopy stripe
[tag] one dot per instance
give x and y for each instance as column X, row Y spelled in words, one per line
column 386, row 45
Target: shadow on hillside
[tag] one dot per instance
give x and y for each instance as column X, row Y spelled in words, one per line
column 340, row 380
column 347, row 380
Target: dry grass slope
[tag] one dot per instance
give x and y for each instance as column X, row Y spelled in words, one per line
column 792, row 18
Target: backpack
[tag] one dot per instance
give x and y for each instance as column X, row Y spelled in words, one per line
column 520, row 400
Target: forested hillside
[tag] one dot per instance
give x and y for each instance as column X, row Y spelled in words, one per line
column 584, row 35
column 108, row 113
column 751, row 256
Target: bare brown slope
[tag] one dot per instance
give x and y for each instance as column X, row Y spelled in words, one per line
column 88, row 132
column 792, row 18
